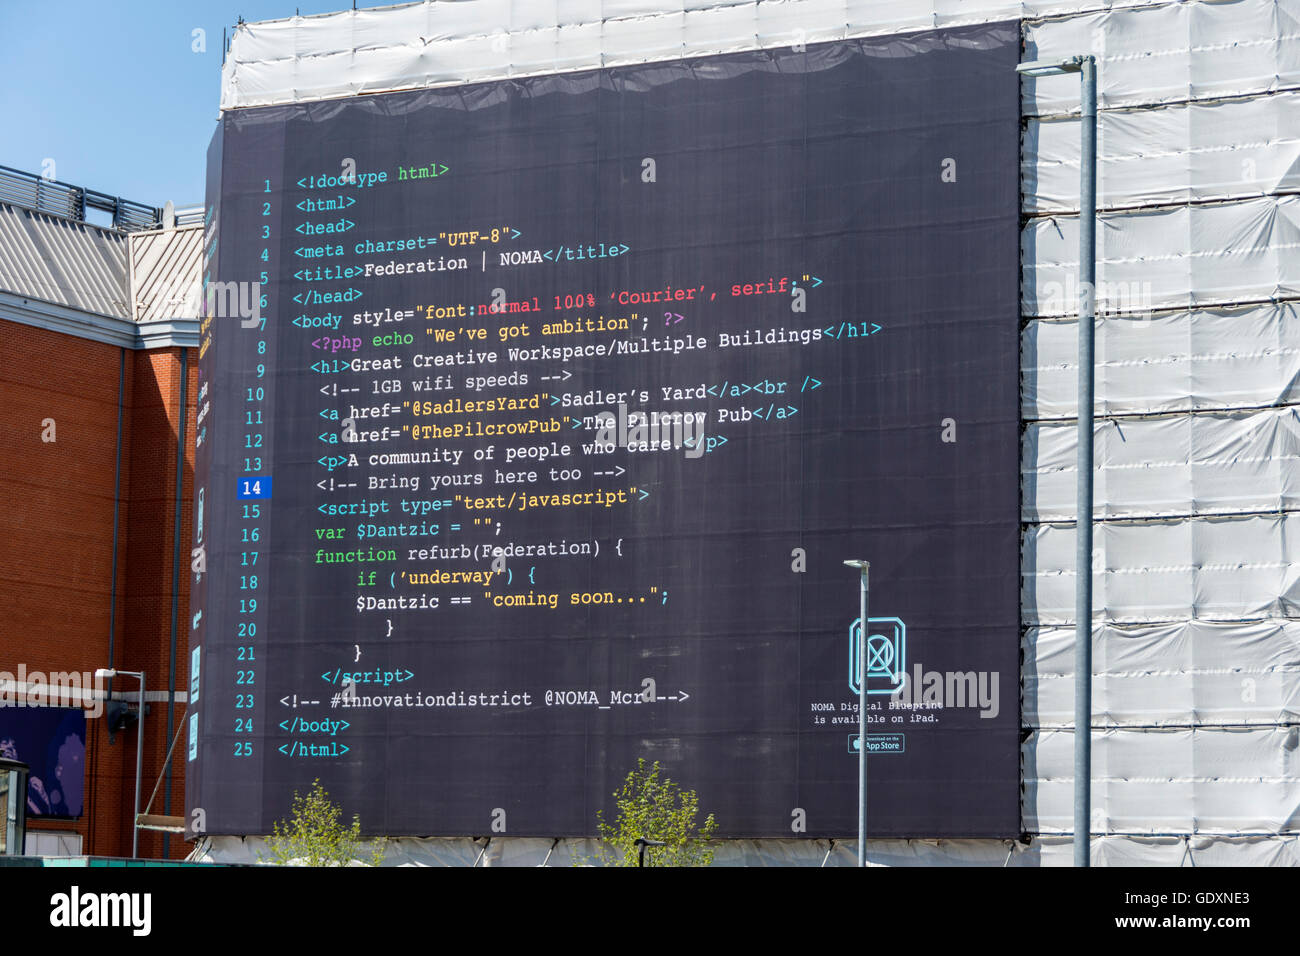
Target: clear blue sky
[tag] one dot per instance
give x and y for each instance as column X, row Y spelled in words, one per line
column 112, row 91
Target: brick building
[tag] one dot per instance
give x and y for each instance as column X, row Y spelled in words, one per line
column 99, row 329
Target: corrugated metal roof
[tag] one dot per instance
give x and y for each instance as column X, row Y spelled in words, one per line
column 165, row 274
column 68, row 263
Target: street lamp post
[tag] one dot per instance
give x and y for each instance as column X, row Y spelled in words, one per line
column 641, row 844
column 1086, row 67
column 864, row 567
column 105, row 673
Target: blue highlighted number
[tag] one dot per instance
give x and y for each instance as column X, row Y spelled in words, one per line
column 254, row 487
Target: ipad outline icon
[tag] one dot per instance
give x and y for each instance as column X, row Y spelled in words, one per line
column 886, row 654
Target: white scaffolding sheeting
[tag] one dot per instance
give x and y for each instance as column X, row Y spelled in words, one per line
column 1149, row 52
column 1228, row 149
column 450, row 42
column 1244, row 357
column 1166, row 467
column 1168, row 780
column 1239, row 568
column 1167, row 257
column 1197, row 573
column 1046, row 850
column 1169, row 53
column 1185, row 673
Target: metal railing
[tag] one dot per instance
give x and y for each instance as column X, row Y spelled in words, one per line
column 190, row 216
column 71, row 202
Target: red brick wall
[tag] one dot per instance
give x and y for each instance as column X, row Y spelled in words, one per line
column 56, row 542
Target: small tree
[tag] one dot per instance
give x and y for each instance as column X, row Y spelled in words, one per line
column 313, row 836
column 655, row 808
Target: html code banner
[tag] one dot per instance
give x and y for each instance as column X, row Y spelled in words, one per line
column 537, row 418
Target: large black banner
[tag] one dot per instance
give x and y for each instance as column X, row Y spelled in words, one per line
column 544, row 413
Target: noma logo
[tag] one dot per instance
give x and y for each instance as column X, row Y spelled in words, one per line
column 75, row 909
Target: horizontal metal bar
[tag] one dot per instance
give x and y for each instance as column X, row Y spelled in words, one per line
column 71, row 202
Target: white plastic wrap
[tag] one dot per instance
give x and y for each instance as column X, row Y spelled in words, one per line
column 1168, row 53
column 1230, row 149
column 1180, row 361
column 1217, row 569
column 1171, row 466
column 1188, row 673
column 1230, row 780
column 1167, row 257
column 1044, row 850
column 445, row 42
column 1149, row 52
column 1196, row 850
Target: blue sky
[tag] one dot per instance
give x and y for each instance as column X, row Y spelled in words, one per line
column 114, row 94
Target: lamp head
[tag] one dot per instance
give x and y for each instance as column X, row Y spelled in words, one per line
column 1071, row 64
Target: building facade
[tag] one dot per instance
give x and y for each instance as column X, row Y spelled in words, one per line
column 94, row 539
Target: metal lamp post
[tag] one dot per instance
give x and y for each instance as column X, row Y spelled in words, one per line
column 108, row 672
column 864, row 567
column 641, row 844
column 1086, row 67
